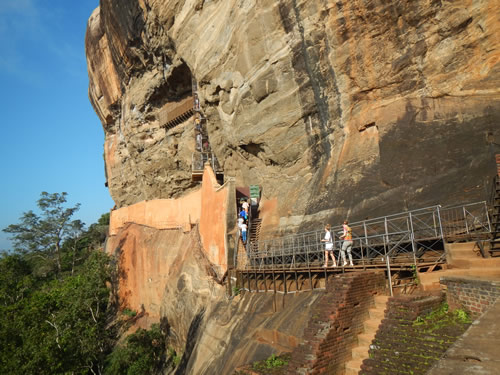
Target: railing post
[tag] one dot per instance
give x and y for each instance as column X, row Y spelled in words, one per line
column 389, row 274
column 386, row 229
column 366, row 233
column 487, row 216
column 434, row 223
column 362, row 257
column 465, row 218
column 440, row 221
column 412, row 239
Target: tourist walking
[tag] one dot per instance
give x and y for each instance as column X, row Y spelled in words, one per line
column 328, row 246
column 347, row 244
column 243, row 214
column 245, row 206
column 244, row 232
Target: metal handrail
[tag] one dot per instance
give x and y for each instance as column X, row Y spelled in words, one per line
column 403, row 233
column 200, row 158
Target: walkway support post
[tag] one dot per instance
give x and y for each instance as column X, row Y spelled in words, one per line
column 389, row 278
column 412, row 238
column 465, row 218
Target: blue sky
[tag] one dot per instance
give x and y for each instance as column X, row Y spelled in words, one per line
column 51, row 139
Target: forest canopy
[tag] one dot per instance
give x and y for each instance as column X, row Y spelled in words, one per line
column 57, row 310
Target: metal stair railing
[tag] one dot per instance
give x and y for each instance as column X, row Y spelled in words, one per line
column 410, row 236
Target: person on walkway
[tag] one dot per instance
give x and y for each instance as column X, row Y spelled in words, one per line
column 196, row 102
column 244, row 232
column 240, row 223
column 198, row 141
column 328, row 246
column 245, row 206
column 243, row 214
column 197, row 122
column 347, row 244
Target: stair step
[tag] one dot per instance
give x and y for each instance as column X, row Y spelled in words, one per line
column 371, row 325
column 360, row 352
column 353, row 367
column 475, row 263
column 376, row 313
column 365, row 339
column 381, row 299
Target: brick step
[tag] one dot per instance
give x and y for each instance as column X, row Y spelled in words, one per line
column 459, row 246
column 381, row 299
column 360, row 352
column 474, row 263
column 377, row 313
column 371, row 325
column 353, row 367
column 430, row 281
column 365, row 339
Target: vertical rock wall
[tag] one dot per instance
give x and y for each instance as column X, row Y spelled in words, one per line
column 346, row 108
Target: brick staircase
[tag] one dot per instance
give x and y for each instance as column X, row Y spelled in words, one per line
column 360, row 352
column 495, row 216
column 464, row 259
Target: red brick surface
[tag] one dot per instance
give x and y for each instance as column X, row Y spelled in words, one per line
column 335, row 324
column 474, row 296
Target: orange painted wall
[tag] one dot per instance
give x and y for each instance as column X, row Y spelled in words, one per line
column 206, row 206
column 159, row 213
column 214, row 202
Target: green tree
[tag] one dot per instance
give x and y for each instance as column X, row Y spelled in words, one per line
column 60, row 326
column 41, row 236
column 143, row 354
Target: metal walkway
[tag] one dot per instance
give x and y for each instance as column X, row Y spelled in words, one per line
column 407, row 240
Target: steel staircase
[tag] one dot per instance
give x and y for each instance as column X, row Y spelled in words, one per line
column 254, row 231
column 495, row 216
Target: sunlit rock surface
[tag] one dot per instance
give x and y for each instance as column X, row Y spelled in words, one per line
column 335, row 108
column 347, row 108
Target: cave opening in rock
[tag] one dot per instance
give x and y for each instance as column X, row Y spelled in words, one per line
column 253, row 148
column 176, row 87
column 180, row 82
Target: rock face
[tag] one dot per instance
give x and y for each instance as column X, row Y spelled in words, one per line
column 347, row 108
column 335, row 108
column 166, row 275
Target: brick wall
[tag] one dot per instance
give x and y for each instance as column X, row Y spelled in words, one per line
column 400, row 347
column 473, row 295
column 335, row 323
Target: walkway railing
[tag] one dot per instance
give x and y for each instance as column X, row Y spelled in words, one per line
column 200, row 158
column 409, row 237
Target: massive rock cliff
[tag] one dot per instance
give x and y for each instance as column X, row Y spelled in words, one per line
column 335, row 108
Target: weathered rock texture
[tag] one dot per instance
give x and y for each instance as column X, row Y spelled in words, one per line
column 346, row 108
column 166, row 274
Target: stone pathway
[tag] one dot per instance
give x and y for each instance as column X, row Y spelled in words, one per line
column 477, row 351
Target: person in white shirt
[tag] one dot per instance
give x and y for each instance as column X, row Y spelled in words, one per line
column 328, row 246
column 245, row 206
column 244, row 233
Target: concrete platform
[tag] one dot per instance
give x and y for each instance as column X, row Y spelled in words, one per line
column 477, row 351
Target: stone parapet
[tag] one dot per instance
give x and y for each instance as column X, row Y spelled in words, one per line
column 472, row 294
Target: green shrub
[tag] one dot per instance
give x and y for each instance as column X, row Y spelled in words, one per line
column 272, row 363
column 129, row 312
column 143, row 353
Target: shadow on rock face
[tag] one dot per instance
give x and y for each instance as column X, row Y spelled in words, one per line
column 191, row 342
